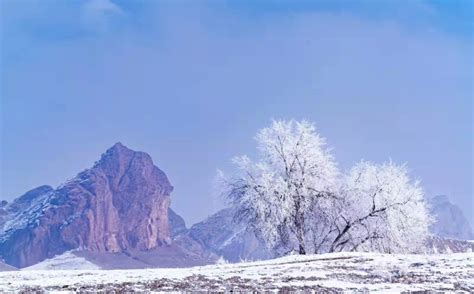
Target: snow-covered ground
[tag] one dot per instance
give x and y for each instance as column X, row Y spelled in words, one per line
column 333, row 272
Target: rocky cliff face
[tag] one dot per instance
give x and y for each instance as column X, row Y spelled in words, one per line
column 119, row 205
column 177, row 224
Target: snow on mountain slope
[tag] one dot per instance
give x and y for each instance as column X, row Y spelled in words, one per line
column 336, row 272
column 23, row 211
column 66, row 261
column 6, row 267
column 172, row 256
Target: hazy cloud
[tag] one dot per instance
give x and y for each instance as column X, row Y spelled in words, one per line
column 99, row 15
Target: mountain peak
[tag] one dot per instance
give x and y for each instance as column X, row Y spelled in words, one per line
column 118, row 146
column 117, row 149
column 118, row 205
column 117, row 158
column 119, row 163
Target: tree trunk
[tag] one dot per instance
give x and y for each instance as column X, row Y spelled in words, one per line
column 302, row 250
column 300, row 234
column 300, row 225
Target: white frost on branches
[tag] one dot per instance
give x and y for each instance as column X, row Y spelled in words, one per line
column 295, row 199
column 379, row 209
column 277, row 193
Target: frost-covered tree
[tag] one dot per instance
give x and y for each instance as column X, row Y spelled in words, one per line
column 378, row 209
column 277, row 193
column 294, row 198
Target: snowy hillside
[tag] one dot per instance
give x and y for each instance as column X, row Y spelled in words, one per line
column 334, row 272
column 65, row 261
column 6, row 267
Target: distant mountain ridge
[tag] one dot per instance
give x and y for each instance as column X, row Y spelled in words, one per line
column 223, row 236
column 450, row 221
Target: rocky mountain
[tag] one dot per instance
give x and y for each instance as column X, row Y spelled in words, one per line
column 220, row 234
column 450, row 221
column 119, row 206
column 176, row 223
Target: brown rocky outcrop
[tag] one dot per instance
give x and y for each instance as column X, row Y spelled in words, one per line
column 119, row 205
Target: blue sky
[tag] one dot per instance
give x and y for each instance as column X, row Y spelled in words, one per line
column 190, row 82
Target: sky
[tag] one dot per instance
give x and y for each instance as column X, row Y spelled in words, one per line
column 191, row 82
